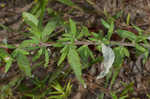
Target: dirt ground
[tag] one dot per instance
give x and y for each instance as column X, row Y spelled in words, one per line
column 133, row 71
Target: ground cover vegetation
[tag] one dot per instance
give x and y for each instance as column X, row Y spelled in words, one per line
column 67, row 49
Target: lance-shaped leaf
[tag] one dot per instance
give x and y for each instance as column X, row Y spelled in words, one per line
column 49, row 28
column 105, row 24
column 120, row 53
column 24, row 64
column 30, row 19
column 73, row 27
column 109, row 58
column 110, row 30
column 28, row 43
column 126, row 34
column 37, row 56
column 8, row 63
column 64, row 52
column 33, row 22
column 74, row 61
column 46, row 58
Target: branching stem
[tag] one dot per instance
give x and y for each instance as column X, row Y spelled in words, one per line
column 112, row 43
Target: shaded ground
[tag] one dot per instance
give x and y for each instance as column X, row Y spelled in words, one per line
column 133, row 72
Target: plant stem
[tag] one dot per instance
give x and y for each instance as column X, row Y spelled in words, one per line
column 112, row 43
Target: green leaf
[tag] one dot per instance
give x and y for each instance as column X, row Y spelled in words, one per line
column 22, row 51
column 105, row 24
column 84, row 32
column 30, row 19
column 138, row 29
column 74, row 61
column 126, row 52
column 58, row 44
column 128, row 19
column 120, row 53
column 62, row 57
column 8, row 64
column 141, row 38
column 85, row 53
column 96, row 35
column 49, row 28
column 37, row 56
column 64, row 52
column 28, row 43
column 64, row 39
column 68, row 88
column 126, row 34
column 67, row 2
column 110, row 31
column 33, row 22
column 36, row 33
column 3, row 53
column 105, row 41
column 73, row 27
column 114, row 96
column 140, row 48
column 46, row 58
column 58, row 87
column 24, row 64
